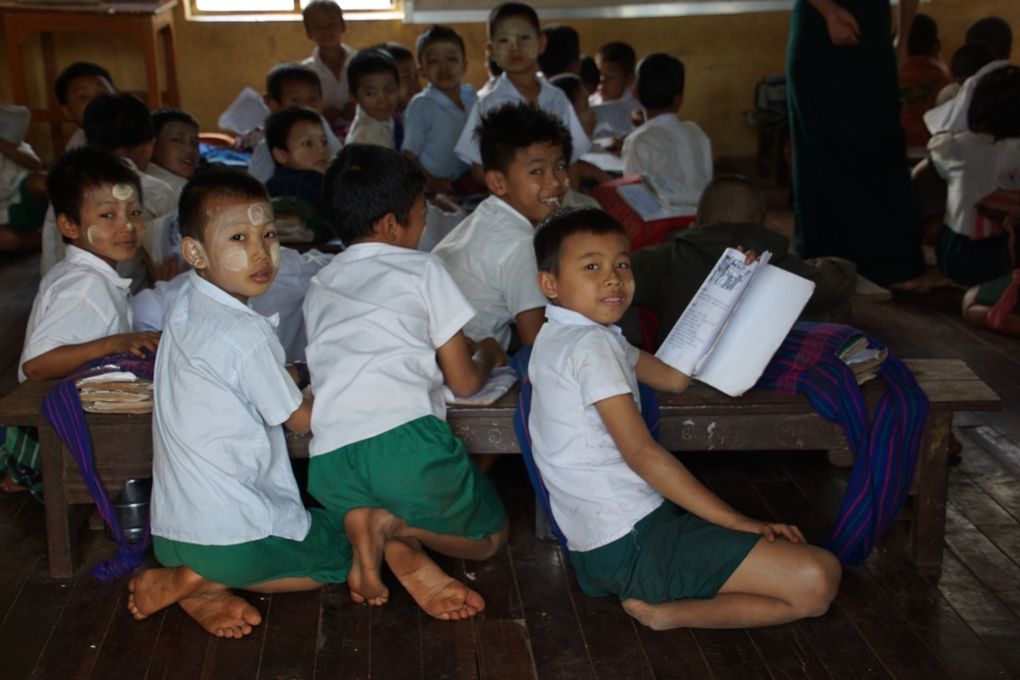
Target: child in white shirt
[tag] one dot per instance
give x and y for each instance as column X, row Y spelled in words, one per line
column 613, row 102
column 375, row 85
column 325, row 26
column 175, row 154
column 692, row 561
column 676, row 155
column 75, row 87
column 384, row 333
column 226, row 511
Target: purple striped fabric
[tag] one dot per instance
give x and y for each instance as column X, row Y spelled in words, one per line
column 885, row 446
column 62, row 407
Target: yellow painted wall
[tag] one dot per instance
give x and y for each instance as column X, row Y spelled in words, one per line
column 725, row 56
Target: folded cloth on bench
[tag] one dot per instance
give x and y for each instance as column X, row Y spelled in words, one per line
column 519, row 362
column 62, row 408
column 885, row 447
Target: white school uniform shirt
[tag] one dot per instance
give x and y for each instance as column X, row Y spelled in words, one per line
column 550, row 98
column 368, row 130
column 158, row 200
column 432, row 126
column 11, row 177
column 77, row 139
column 80, row 300
column 335, row 91
column 284, row 299
column 951, row 116
column 491, row 257
column 220, row 471
column 973, row 165
column 595, row 496
column 613, row 116
column 676, row 154
column 261, row 165
column 172, row 179
column 375, row 317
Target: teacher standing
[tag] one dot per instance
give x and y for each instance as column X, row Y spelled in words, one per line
column 851, row 181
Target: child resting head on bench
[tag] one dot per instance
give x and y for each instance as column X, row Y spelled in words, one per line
column 674, row 553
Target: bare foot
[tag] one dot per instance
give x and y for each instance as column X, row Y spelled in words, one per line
column 155, row 589
column 222, row 613
column 436, row 592
column 640, row 610
column 368, row 529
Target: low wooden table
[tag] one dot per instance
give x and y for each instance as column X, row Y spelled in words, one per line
column 701, row 419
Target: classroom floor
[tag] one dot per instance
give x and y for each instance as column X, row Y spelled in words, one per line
column 888, row 620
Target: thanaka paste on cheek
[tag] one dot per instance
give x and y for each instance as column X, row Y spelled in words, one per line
column 274, row 254
column 90, row 235
column 235, row 258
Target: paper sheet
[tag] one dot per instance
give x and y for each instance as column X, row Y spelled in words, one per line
column 499, row 383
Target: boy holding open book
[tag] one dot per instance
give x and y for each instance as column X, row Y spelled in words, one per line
column 638, row 525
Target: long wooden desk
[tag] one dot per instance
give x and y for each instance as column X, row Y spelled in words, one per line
column 702, row 419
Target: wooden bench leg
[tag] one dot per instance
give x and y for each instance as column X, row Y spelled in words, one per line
column 932, row 482
column 58, row 525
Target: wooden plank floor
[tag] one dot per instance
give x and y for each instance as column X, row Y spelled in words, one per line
column 888, row 620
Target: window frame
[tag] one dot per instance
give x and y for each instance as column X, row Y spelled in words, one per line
column 192, row 13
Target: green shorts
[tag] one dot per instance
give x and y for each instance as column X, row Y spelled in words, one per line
column 323, row 556
column 419, row 471
column 670, row 555
column 989, row 292
column 27, row 214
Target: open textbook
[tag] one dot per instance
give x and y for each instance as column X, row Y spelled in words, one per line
column 736, row 322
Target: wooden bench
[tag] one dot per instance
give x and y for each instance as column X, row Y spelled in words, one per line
column 699, row 420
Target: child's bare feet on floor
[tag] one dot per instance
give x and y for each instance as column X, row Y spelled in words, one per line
column 222, row 613
column 368, row 529
column 155, row 589
column 439, row 594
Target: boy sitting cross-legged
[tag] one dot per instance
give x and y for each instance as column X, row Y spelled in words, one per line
column 226, row 511
column 384, row 333
column 638, row 525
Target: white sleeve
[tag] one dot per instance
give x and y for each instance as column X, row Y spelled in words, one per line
column 447, row 307
column 70, row 318
column 267, row 384
column 599, row 368
column 518, row 278
column 467, row 146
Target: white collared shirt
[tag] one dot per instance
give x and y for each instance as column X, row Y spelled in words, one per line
column 220, row 471
column 432, row 126
column 80, row 300
column 676, row 154
column 951, row 116
column 261, row 165
column 613, row 116
column 375, row 317
column 172, row 179
column 491, row 257
column 368, row 130
column 550, row 98
column 596, row 497
column 335, row 91
column 11, row 177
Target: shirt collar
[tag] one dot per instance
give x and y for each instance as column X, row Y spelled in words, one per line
column 663, row 120
column 224, row 298
column 361, row 251
column 365, row 118
column 503, row 82
column 498, row 204
column 568, row 317
column 441, row 97
column 92, row 261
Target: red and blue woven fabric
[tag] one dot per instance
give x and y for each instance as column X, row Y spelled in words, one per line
column 62, row 408
column 885, row 446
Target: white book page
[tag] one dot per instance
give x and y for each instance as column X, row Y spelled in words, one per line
column 756, row 330
column 13, row 123
column 698, row 328
column 245, row 113
column 639, row 197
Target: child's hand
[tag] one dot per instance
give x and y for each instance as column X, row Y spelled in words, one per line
column 135, row 343
column 842, row 26
column 751, row 255
column 770, row 530
column 490, row 351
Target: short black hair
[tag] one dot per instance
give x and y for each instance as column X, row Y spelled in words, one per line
column 619, row 53
column 993, row 32
column 161, row 117
column 518, row 125
column 968, row 59
column 81, row 169
column 557, row 226
column 562, row 48
column 363, row 184
column 570, row 84
column 329, row 5
column 282, row 75
column 924, row 36
column 215, row 182
column 660, row 78
column 995, row 105
column 278, row 125
column 513, row 9
column 438, row 34
column 79, row 69
column 589, row 74
column 118, row 121
column 369, row 62
column 397, row 51
column 495, row 70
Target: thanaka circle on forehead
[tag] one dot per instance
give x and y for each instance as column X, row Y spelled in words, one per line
column 122, row 192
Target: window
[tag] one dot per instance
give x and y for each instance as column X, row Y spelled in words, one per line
column 285, row 10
